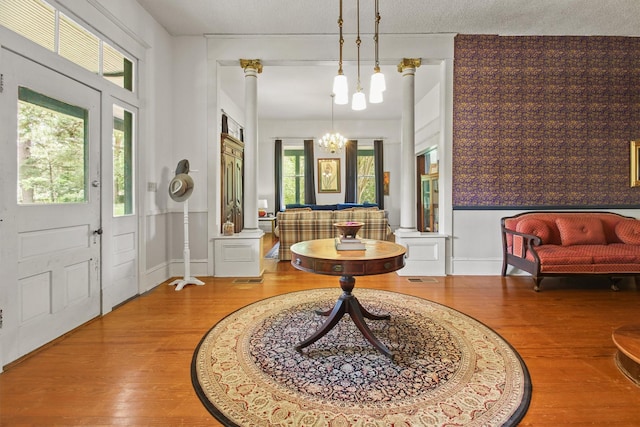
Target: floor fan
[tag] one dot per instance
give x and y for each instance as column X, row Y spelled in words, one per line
column 180, row 188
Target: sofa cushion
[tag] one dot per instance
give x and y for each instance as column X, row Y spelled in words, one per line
column 607, row 254
column 628, row 231
column 535, row 227
column 562, row 255
column 581, row 230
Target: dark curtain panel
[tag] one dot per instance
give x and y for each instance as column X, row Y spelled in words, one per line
column 309, row 176
column 351, row 172
column 378, row 157
column 277, row 155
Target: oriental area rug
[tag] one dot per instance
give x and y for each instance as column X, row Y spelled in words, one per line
column 447, row 369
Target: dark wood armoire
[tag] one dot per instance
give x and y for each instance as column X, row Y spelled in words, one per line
column 232, row 180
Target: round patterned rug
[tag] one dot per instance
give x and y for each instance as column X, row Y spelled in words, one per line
column 448, row 368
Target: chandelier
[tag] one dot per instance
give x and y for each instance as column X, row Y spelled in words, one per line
column 377, row 85
column 332, row 142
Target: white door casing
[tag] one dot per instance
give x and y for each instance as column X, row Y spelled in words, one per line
column 50, row 259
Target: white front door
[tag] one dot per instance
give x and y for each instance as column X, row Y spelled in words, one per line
column 50, row 233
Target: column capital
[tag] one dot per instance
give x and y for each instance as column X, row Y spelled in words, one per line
column 251, row 63
column 409, row 63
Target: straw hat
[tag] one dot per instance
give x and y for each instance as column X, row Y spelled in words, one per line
column 181, row 187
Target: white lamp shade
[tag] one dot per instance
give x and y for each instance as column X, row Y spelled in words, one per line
column 341, row 89
column 375, row 97
column 359, row 101
column 378, row 83
column 262, row 204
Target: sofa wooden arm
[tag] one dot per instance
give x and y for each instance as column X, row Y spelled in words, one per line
column 515, row 254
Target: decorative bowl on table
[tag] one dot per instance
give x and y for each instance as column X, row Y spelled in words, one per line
column 348, row 229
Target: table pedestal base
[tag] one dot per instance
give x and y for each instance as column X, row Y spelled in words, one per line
column 348, row 304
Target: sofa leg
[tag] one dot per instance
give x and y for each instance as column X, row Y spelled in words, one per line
column 536, row 286
column 614, row 283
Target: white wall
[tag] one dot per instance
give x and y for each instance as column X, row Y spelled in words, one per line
column 189, row 141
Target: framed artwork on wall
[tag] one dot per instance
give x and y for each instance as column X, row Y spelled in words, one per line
column 386, row 180
column 635, row 163
column 328, row 175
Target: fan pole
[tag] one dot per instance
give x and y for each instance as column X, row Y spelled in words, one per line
column 187, row 279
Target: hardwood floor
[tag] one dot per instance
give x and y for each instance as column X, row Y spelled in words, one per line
column 132, row 366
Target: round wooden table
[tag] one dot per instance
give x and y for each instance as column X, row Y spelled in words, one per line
column 321, row 257
column 627, row 339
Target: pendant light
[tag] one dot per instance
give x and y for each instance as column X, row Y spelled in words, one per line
column 340, row 84
column 378, row 84
column 358, row 102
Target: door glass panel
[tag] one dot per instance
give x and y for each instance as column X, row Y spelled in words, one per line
column 52, row 147
column 122, row 161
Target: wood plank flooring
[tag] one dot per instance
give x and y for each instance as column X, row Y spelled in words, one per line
column 132, row 366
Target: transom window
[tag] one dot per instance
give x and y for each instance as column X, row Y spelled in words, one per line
column 43, row 24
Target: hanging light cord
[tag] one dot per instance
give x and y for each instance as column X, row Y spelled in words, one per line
column 332, row 128
column 375, row 37
column 358, row 41
column 341, row 39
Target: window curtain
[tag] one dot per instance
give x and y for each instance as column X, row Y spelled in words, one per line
column 378, row 158
column 278, row 175
column 309, row 176
column 351, row 172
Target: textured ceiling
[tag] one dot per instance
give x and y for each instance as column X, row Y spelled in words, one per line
column 512, row 17
column 307, row 99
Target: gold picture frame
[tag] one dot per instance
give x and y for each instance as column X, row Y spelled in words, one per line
column 635, row 163
column 328, row 175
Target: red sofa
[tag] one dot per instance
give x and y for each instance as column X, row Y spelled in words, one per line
column 551, row 243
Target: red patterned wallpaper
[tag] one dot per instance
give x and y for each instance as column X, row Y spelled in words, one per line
column 545, row 122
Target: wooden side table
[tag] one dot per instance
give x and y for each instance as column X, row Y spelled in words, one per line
column 321, row 257
column 266, row 220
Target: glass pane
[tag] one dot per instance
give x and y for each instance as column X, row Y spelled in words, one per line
column 79, row 45
column 33, row 19
column 116, row 67
column 293, row 176
column 366, row 177
column 51, row 150
column 122, row 162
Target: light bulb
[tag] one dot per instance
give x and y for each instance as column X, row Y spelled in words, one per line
column 378, row 83
column 341, row 89
column 359, row 101
column 375, row 97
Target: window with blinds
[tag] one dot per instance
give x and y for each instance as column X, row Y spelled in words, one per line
column 41, row 23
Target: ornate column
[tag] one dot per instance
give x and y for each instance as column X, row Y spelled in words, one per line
column 251, row 67
column 241, row 255
column 408, row 213
column 425, row 251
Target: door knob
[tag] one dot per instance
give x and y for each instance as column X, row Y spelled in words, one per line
column 98, row 231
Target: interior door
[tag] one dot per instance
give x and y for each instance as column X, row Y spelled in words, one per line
column 50, row 197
